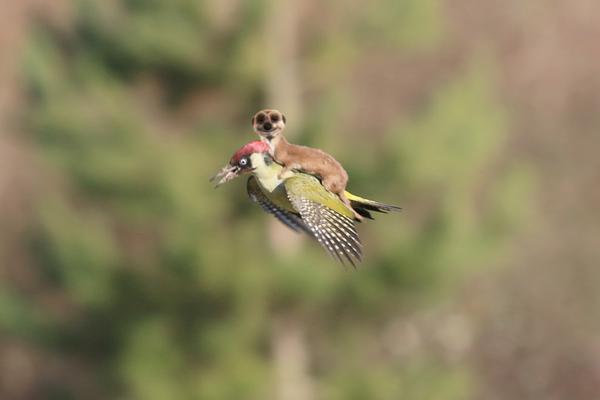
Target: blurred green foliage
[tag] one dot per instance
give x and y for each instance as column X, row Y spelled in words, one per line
column 174, row 284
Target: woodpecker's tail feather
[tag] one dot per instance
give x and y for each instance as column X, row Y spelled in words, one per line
column 363, row 206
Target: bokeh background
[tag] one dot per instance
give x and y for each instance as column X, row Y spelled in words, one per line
column 124, row 275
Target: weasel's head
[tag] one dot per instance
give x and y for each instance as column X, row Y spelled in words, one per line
column 268, row 123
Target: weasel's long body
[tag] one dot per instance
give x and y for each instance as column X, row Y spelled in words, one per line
column 269, row 125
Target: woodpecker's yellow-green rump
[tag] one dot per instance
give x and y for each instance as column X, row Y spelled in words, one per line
column 301, row 202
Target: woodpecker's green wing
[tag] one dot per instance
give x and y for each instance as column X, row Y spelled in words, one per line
column 326, row 216
column 291, row 220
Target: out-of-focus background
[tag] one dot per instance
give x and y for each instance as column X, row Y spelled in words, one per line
column 124, row 275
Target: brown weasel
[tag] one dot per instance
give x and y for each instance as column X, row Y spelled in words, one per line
column 269, row 125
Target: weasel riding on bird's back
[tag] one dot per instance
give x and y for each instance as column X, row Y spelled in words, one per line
column 269, row 125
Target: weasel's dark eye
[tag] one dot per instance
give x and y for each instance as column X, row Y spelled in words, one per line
column 243, row 162
column 260, row 118
column 275, row 117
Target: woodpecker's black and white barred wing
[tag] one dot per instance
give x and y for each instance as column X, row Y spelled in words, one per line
column 291, row 220
column 336, row 232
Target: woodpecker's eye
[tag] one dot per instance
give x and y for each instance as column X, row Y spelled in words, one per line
column 243, row 162
column 275, row 117
column 260, row 118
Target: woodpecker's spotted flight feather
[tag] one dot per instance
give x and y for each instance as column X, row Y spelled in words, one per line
column 336, row 233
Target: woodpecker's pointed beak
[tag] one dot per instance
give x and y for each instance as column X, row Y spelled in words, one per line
column 226, row 174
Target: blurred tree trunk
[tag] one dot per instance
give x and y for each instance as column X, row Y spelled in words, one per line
column 291, row 356
column 20, row 364
column 17, row 168
column 291, row 360
column 283, row 90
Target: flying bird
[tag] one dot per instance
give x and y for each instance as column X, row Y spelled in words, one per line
column 301, row 202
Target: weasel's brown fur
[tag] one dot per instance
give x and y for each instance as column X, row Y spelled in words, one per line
column 269, row 125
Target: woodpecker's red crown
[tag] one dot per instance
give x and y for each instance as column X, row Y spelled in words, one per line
column 249, row 148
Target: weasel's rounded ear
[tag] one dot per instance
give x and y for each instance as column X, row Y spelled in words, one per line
column 283, row 117
column 253, row 118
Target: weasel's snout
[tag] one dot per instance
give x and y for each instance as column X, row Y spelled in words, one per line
column 267, row 126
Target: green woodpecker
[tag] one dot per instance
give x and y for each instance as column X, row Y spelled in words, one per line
column 301, row 202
